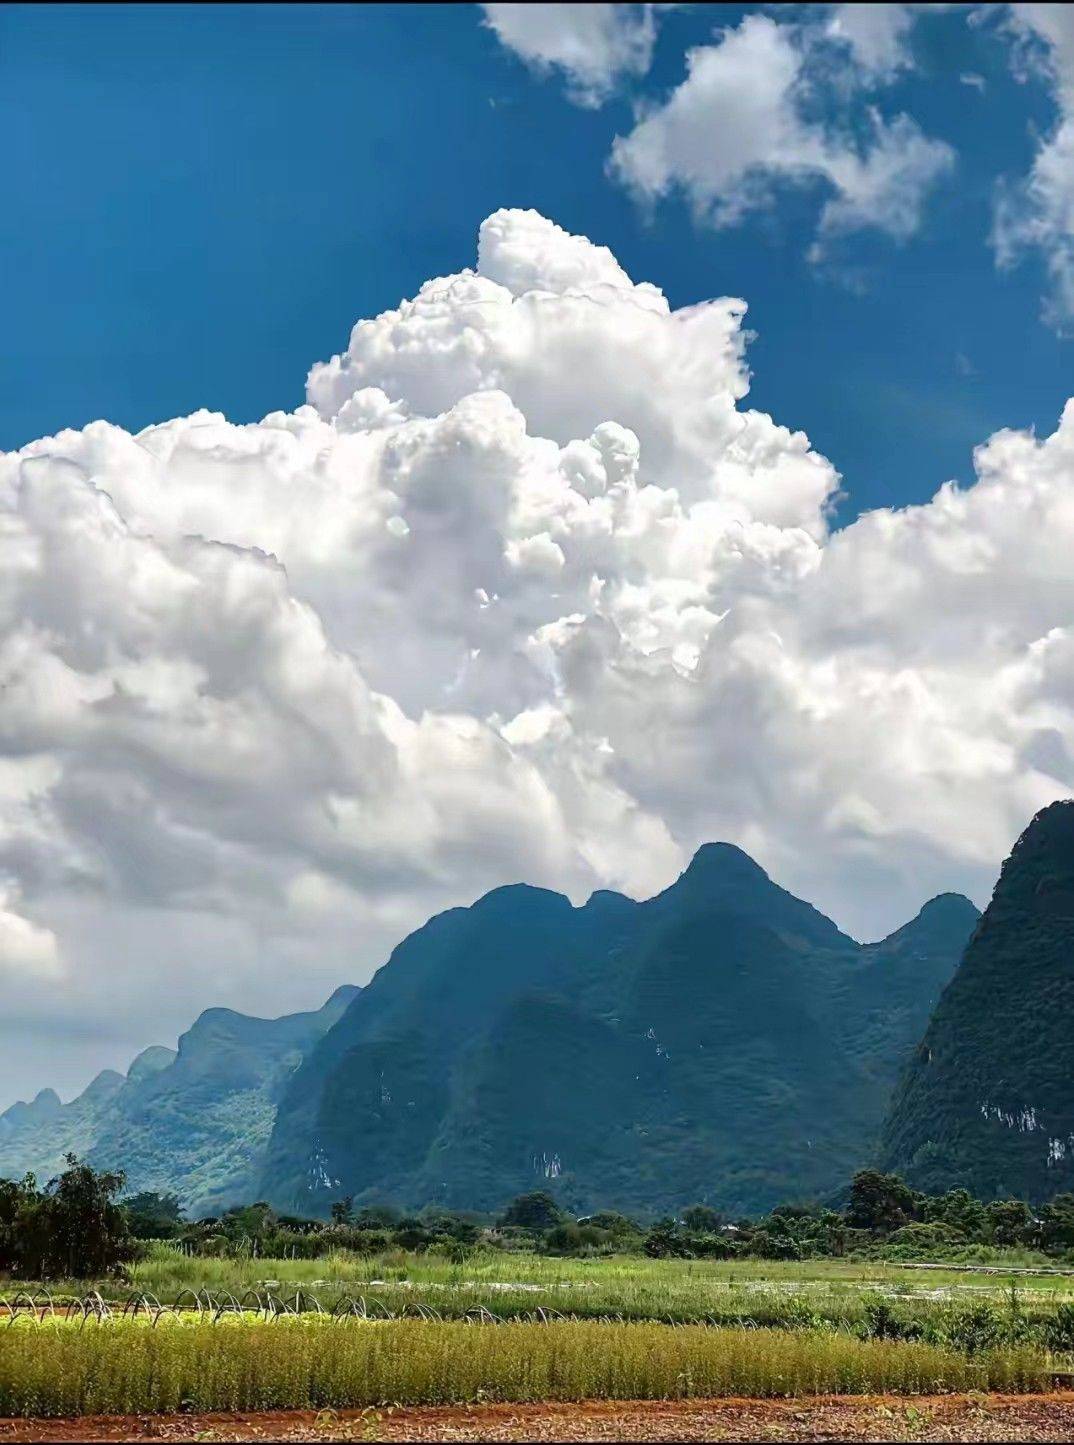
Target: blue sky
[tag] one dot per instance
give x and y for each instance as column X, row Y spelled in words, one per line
column 203, row 200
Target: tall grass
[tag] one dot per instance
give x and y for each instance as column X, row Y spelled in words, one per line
column 129, row 1366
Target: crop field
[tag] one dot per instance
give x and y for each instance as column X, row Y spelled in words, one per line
column 135, row 1365
column 352, row 1331
column 859, row 1297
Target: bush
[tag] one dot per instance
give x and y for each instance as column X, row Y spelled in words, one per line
column 915, row 1241
column 881, row 1321
column 576, row 1239
column 981, row 1326
column 665, row 1241
column 766, row 1244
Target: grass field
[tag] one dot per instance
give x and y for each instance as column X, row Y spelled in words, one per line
column 833, row 1293
column 615, row 1327
column 64, row 1367
column 167, row 1269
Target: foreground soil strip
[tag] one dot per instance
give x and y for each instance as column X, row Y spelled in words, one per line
column 888, row 1417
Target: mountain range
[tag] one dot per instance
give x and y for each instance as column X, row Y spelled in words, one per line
column 722, row 1042
column 192, row 1121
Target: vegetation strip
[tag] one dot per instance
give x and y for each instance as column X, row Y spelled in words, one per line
column 58, row 1367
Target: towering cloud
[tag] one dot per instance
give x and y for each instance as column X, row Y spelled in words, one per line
column 525, row 591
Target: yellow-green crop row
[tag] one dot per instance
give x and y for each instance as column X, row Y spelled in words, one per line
column 129, row 1366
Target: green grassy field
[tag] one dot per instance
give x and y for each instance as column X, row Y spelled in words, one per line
column 858, row 1298
column 619, row 1326
column 64, row 1367
column 646, row 1288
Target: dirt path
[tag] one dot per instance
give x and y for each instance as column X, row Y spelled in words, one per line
column 933, row 1417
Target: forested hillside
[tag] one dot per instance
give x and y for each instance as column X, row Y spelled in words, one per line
column 989, row 1101
column 722, row 1041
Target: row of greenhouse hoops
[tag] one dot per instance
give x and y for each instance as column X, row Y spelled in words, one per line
column 41, row 1305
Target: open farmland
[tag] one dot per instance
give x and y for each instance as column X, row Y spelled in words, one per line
column 56, row 1366
column 191, row 1336
column 854, row 1296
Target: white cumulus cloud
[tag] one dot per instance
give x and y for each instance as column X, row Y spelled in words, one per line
column 877, row 35
column 1036, row 211
column 593, row 45
column 524, row 591
column 745, row 123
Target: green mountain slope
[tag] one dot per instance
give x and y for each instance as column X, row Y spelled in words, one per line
column 988, row 1101
column 36, row 1137
column 722, row 1041
column 193, row 1122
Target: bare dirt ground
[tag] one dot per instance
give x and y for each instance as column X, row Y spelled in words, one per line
column 920, row 1418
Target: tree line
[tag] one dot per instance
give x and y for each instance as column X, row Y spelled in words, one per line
column 79, row 1225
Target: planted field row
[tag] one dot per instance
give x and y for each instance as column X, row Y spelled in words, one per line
column 969, row 1323
column 57, row 1366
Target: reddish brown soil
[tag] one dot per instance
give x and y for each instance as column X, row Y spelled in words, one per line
column 933, row 1417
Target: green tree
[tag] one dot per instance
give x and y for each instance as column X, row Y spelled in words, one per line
column 342, row 1210
column 618, row 1225
column 773, row 1244
column 74, row 1227
column 154, row 1216
column 249, row 1221
column 666, row 1241
column 18, row 1200
column 701, row 1219
column 376, row 1216
column 881, row 1202
column 449, row 1225
column 412, row 1234
column 1010, row 1222
column 572, row 1238
column 958, row 1209
column 1057, row 1222
column 537, row 1211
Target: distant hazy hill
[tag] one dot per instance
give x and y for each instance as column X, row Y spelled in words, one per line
column 36, row 1136
column 194, row 1122
column 989, row 1100
column 722, row 1042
